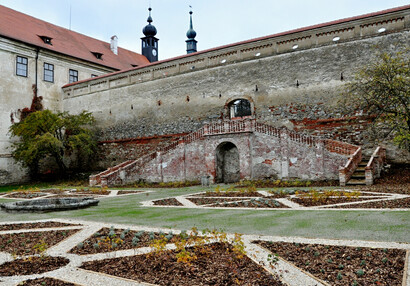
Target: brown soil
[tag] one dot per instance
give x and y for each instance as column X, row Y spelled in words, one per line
column 25, row 195
column 167, row 202
column 395, row 180
column 70, row 196
column 308, row 202
column 217, row 267
column 91, row 192
column 32, row 265
column 343, row 265
column 390, row 204
column 207, row 201
column 46, row 281
column 99, row 242
column 230, row 194
column 25, row 243
column 264, row 203
column 46, row 224
column 128, row 192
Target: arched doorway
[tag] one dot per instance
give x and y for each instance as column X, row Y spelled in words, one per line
column 227, row 163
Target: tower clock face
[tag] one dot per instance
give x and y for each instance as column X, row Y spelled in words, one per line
column 154, row 52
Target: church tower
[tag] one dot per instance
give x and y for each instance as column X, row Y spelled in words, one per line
column 191, row 34
column 149, row 42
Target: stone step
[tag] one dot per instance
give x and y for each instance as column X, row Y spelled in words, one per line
column 358, row 176
column 356, row 182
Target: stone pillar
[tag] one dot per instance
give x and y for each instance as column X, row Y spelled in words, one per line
column 342, row 176
column 320, row 159
column 284, row 148
column 368, row 176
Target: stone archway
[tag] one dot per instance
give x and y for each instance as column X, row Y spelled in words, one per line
column 227, row 163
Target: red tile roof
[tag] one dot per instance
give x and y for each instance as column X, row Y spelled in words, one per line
column 27, row 29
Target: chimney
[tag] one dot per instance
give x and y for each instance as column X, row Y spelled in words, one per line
column 114, row 44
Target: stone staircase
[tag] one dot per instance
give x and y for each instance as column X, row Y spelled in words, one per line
column 362, row 170
column 359, row 175
column 117, row 175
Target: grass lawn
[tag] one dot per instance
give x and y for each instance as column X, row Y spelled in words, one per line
column 346, row 224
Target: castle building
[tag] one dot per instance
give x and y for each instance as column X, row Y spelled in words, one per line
column 42, row 57
column 263, row 108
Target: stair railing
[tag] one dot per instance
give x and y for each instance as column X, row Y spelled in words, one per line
column 375, row 165
column 346, row 172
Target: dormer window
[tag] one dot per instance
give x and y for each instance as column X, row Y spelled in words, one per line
column 134, row 66
column 46, row 40
column 97, row 55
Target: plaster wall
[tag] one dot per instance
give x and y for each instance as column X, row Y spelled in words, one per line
column 16, row 93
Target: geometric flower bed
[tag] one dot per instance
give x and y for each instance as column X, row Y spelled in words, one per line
column 286, row 199
column 67, row 193
column 343, row 265
column 216, row 266
column 82, row 253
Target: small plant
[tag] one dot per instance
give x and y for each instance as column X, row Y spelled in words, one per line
column 384, row 260
column 111, row 234
column 40, row 247
column 135, row 241
column 339, row 276
column 273, row 259
column 363, row 262
column 360, row 272
column 355, row 283
column 330, row 260
column 317, row 253
column 80, row 245
column 341, row 266
column 96, row 245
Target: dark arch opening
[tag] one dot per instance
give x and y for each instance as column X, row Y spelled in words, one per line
column 227, row 163
column 240, row 108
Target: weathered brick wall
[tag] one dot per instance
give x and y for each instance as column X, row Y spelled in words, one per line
column 111, row 153
column 260, row 156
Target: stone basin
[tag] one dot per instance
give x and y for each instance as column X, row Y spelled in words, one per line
column 42, row 205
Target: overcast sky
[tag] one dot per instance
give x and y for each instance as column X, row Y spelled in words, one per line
column 217, row 22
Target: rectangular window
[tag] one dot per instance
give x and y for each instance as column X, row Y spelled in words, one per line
column 21, row 66
column 73, row 76
column 48, row 72
column 94, row 75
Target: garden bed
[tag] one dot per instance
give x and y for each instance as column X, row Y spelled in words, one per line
column 32, row 265
column 119, row 239
column 387, row 204
column 343, row 265
column 167, row 202
column 309, row 202
column 46, row 281
column 207, row 201
column 98, row 192
column 217, row 267
column 25, row 195
column 47, row 224
column 230, row 194
column 29, row 243
column 253, row 203
column 128, row 192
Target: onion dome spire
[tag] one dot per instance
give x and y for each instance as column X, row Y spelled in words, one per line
column 191, row 34
column 149, row 30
